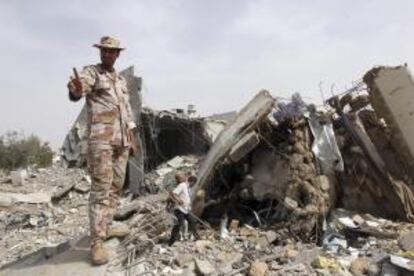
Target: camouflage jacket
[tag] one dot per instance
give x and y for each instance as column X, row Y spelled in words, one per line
column 108, row 108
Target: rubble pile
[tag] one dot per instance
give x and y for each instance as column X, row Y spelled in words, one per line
column 162, row 177
column 284, row 189
column 43, row 208
column 378, row 172
column 42, row 211
column 353, row 244
column 269, row 175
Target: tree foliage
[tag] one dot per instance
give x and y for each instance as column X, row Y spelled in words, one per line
column 18, row 151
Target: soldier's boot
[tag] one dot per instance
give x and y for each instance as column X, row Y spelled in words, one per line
column 99, row 254
column 117, row 231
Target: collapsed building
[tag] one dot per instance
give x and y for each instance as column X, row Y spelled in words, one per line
column 274, row 161
column 278, row 162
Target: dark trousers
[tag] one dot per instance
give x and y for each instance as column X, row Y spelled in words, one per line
column 192, row 226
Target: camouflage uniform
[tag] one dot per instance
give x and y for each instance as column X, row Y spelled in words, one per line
column 109, row 119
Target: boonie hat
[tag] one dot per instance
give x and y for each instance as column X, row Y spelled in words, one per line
column 109, row 42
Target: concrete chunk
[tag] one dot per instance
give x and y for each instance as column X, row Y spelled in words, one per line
column 204, row 267
column 391, row 92
column 245, row 145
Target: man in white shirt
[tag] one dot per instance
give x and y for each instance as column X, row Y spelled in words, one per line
column 182, row 198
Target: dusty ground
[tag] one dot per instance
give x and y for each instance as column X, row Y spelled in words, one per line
column 239, row 250
column 25, row 227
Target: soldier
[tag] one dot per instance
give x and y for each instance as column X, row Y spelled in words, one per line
column 110, row 141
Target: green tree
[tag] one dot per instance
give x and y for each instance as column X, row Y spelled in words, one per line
column 18, row 151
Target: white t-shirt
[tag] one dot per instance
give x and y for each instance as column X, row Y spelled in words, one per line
column 183, row 192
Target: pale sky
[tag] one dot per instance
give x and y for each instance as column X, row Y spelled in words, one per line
column 214, row 54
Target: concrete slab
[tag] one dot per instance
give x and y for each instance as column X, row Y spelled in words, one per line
column 245, row 121
column 69, row 260
column 391, row 92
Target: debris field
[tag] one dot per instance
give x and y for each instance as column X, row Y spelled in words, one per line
column 283, row 188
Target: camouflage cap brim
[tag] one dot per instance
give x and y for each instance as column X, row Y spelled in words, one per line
column 99, row 46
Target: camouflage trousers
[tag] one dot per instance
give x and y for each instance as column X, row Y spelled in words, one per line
column 107, row 166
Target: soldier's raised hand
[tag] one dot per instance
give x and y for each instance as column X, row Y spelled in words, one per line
column 75, row 87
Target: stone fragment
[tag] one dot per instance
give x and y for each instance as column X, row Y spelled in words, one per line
column 374, row 269
column 258, row 268
column 82, row 187
column 323, row 181
column 37, row 197
column 183, row 259
column 245, row 145
column 306, row 256
column 406, row 242
column 290, row 203
column 204, row 267
column 358, row 219
column 389, row 270
column 299, row 135
column 322, row 262
column 18, row 177
column 229, row 258
column 245, row 231
column 271, row 236
column 296, row 158
column 359, row 266
column 225, row 269
column 170, row 271
column 202, row 245
column 290, row 253
column 234, row 225
column 264, row 242
column 299, row 148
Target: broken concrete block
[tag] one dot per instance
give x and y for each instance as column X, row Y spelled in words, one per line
column 202, row 245
column 229, row 258
column 307, row 256
column 299, row 148
column 82, row 187
column 406, row 242
column 290, row 203
column 247, row 119
column 266, row 239
column 183, row 259
column 40, row 197
column 176, row 162
column 257, row 268
column 391, row 92
column 290, row 252
column 204, row 267
column 358, row 219
column 323, row 262
column 248, row 231
column 389, row 270
column 245, row 145
column 18, row 177
column 359, row 266
column 323, row 182
column 271, row 236
column 225, row 269
column 374, row 269
column 234, row 225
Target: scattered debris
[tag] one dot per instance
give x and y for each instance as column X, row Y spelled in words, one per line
column 18, row 177
column 282, row 188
